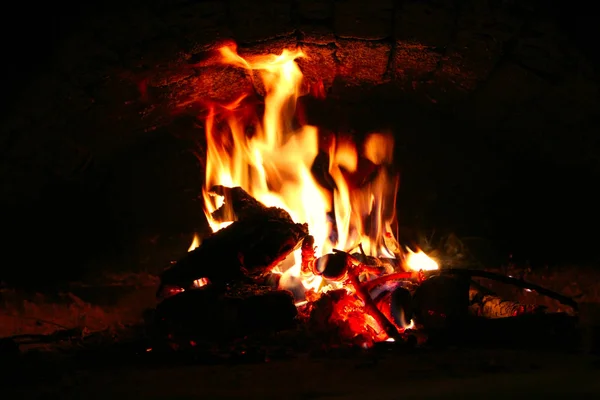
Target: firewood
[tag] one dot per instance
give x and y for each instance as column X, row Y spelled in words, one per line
column 238, row 204
column 489, row 305
column 441, row 302
column 471, row 273
column 257, row 241
column 208, row 313
column 248, row 247
column 396, row 305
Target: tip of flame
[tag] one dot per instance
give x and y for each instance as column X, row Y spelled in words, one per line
column 195, row 243
column 420, row 261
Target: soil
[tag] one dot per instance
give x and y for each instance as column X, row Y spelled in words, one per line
column 451, row 373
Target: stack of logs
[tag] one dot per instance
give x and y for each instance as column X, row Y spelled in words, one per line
column 224, row 289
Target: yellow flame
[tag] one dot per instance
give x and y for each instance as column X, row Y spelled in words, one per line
column 195, row 243
column 272, row 161
column 420, row 261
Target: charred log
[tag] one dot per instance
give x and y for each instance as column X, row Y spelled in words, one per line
column 333, row 266
column 248, row 247
column 238, row 205
column 210, row 314
column 441, row 302
column 257, row 241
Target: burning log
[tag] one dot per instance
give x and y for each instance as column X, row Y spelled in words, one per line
column 211, row 314
column 257, row 241
column 371, row 307
column 240, row 205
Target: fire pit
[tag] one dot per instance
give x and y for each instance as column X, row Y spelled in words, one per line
column 313, row 249
column 303, row 231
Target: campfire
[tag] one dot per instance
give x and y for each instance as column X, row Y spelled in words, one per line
column 304, row 230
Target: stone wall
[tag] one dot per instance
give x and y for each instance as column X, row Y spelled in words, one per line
column 107, row 96
column 498, row 55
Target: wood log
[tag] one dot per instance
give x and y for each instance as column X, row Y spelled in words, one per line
column 257, row 241
column 489, row 305
column 239, row 205
column 211, row 314
column 472, row 273
column 441, row 302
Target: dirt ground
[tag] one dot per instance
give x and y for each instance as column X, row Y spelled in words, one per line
column 422, row 373
column 450, row 373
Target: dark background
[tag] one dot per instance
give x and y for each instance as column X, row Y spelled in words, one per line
column 531, row 192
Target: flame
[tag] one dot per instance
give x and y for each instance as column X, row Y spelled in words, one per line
column 195, row 243
column 420, row 261
column 272, row 161
column 264, row 151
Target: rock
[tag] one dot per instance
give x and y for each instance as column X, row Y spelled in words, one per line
column 315, row 10
column 541, row 56
column 470, row 59
column 320, row 66
column 322, row 35
column 363, row 61
column 507, row 89
column 424, row 23
column 251, row 22
column 200, row 23
column 353, row 20
column 274, row 46
column 216, row 83
column 414, row 62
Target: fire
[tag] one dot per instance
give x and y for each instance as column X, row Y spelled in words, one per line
column 266, row 153
column 271, row 159
column 420, row 261
column 195, row 243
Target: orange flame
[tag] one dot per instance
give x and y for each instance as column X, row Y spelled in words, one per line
column 195, row 243
column 420, row 261
column 271, row 158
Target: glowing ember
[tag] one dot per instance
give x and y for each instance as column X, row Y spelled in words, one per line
column 420, row 261
column 198, row 283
